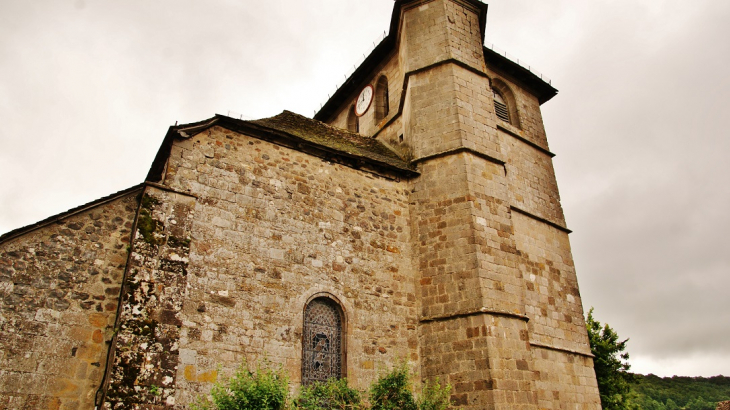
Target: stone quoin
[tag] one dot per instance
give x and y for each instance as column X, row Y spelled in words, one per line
column 416, row 217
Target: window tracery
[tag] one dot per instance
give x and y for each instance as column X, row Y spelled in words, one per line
column 322, row 357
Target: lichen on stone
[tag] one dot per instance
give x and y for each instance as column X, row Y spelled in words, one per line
column 146, row 225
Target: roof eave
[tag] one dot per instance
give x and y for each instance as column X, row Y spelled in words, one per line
column 157, row 170
column 177, row 131
column 73, row 211
column 543, row 90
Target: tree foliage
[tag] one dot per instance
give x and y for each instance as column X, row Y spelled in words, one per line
column 610, row 364
column 680, row 392
column 333, row 394
column 393, row 391
column 434, row 396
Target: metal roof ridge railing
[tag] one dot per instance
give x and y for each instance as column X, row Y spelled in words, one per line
column 517, row 60
column 380, row 38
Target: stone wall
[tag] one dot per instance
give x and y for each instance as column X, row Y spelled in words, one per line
column 485, row 357
column 440, row 30
column 146, row 346
column 59, row 290
column 552, row 298
column 454, row 111
column 564, row 380
column 273, row 227
column 533, row 187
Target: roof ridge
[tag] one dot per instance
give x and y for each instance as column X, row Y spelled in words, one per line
column 332, row 127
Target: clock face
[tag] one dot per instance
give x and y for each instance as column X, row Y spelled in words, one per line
column 363, row 100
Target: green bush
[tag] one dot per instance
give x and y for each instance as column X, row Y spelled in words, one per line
column 393, row 391
column 333, row 394
column 267, row 389
column 434, row 396
column 262, row 389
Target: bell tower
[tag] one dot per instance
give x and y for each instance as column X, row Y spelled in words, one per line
column 499, row 311
column 473, row 325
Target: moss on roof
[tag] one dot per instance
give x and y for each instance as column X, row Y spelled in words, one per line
column 334, row 138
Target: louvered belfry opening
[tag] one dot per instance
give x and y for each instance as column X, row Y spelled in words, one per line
column 500, row 107
column 322, row 355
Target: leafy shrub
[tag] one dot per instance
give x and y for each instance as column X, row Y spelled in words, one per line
column 262, row 389
column 434, row 396
column 333, row 394
column 393, row 391
column 267, row 389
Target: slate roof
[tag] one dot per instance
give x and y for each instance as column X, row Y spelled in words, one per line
column 299, row 133
column 332, row 137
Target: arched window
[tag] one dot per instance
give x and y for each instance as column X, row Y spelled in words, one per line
column 322, row 342
column 381, row 98
column 505, row 105
column 353, row 122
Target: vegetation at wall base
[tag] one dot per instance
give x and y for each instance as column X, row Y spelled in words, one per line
column 267, row 389
column 435, row 396
column 393, row 391
column 262, row 389
column 333, row 394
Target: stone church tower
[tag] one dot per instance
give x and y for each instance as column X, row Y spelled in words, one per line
column 416, row 216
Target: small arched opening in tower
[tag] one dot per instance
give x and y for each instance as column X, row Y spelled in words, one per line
column 353, row 122
column 381, row 98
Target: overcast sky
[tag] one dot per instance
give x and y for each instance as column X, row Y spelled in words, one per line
column 89, row 87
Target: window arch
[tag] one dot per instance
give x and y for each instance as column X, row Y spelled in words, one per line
column 353, row 122
column 323, row 349
column 505, row 105
column 381, row 98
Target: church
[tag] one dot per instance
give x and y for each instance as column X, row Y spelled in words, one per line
column 416, row 217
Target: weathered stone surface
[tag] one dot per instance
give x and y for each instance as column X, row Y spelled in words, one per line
column 54, row 292
column 257, row 257
column 146, row 346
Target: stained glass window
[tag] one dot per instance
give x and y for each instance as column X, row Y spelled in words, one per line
column 322, row 355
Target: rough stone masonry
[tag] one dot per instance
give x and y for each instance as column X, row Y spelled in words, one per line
column 419, row 205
